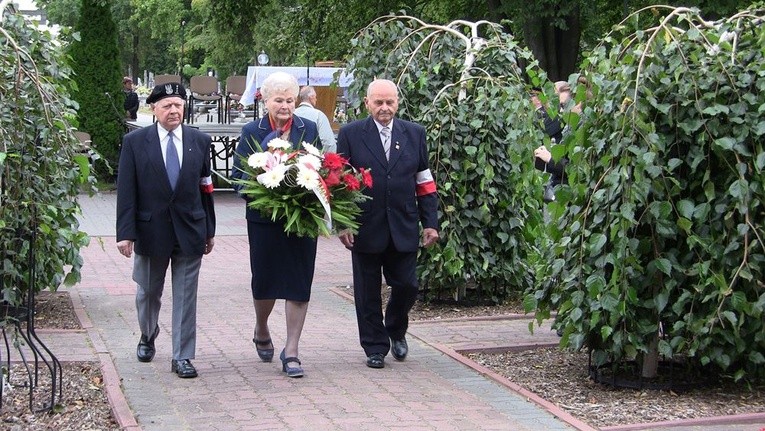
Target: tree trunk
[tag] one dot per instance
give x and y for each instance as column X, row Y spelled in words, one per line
column 650, row 365
column 556, row 49
column 568, row 44
column 134, row 60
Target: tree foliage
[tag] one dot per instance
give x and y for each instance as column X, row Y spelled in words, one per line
column 462, row 81
column 40, row 169
column 95, row 61
column 558, row 31
column 659, row 239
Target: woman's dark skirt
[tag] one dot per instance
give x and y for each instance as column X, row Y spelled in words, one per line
column 282, row 265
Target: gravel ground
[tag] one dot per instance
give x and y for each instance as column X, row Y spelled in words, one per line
column 562, row 378
column 83, row 405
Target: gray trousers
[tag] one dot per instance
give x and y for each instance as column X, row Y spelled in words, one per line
column 149, row 273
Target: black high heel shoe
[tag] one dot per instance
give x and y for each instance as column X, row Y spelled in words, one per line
column 265, row 355
column 291, row 371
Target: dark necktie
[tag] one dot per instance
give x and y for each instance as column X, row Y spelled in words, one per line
column 385, row 134
column 172, row 164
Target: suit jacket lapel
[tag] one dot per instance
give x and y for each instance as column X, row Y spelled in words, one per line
column 297, row 131
column 371, row 139
column 397, row 142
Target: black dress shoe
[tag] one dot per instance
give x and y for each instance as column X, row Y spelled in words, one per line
column 183, row 368
column 145, row 351
column 399, row 349
column 376, row 360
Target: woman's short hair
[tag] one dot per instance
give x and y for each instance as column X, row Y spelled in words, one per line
column 279, row 82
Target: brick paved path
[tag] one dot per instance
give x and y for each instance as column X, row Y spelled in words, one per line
column 435, row 389
column 235, row 391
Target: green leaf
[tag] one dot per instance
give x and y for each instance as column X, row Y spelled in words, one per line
column 730, row 316
column 716, row 110
column 685, row 224
column 725, row 143
column 665, row 349
column 760, row 161
column 662, row 299
column 596, row 243
column 529, row 303
column 686, row 208
column 759, row 129
column 84, row 164
column 664, row 265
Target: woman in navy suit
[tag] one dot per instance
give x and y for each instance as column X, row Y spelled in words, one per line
column 282, row 265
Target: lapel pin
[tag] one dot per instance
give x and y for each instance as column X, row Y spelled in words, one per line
column 397, row 147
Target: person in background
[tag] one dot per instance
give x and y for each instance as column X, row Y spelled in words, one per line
column 307, row 109
column 404, row 197
column 282, row 265
column 165, row 213
column 131, row 99
column 557, row 130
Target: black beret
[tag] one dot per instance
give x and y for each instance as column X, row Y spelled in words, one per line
column 171, row 89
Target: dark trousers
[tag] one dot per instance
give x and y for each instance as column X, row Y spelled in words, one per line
column 400, row 270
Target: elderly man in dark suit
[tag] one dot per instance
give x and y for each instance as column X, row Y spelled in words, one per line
column 165, row 214
column 403, row 197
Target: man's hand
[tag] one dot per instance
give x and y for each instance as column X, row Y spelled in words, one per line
column 535, row 100
column 125, row 247
column 346, row 237
column 543, row 153
column 209, row 245
column 429, row 237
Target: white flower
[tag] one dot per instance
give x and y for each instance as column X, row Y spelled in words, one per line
column 311, row 149
column 310, row 161
column 258, row 160
column 279, row 144
column 307, row 177
column 272, row 178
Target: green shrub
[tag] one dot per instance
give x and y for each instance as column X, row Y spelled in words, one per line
column 659, row 240
column 463, row 82
column 41, row 169
column 96, row 64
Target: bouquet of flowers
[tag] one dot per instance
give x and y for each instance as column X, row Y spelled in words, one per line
column 314, row 193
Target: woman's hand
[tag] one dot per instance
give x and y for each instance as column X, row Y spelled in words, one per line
column 543, row 154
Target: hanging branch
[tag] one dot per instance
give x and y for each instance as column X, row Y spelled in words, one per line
column 473, row 44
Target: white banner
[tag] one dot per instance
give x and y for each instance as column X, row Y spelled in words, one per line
column 314, row 76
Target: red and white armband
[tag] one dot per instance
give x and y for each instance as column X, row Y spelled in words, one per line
column 425, row 183
column 206, row 184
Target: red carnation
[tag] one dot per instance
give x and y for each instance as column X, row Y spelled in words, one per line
column 351, row 182
column 333, row 161
column 332, row 179
column 366, row 177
